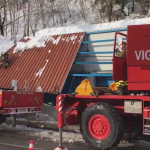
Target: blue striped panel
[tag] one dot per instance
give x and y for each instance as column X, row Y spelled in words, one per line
column 92, row 63
column 92, row 75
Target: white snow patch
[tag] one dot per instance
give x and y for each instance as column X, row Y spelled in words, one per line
column 40, row 72
column 49, row 51
column 33, row 42
column 73, row 37
column 80, row 38
column 53, row 40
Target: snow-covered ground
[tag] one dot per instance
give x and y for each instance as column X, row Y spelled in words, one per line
column 40, row 37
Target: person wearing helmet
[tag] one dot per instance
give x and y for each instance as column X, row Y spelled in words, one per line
column 120, row 50
column 4, row 60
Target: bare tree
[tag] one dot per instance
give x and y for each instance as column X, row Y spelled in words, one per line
column 2, row 15
column 106, row 8
column 144, row 6
column 83, row 10
column 132, row 8
column 25, row 20
column 42, row 12
column 28, row 22
column 97, row 10
column 34, row 16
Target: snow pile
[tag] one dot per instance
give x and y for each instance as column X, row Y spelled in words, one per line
column 95, row 27
column 47, row 34
column 33, row 42
column 37, row 41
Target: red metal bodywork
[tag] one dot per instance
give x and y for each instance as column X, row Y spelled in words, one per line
column 136, row 67
column 138, row 57
column 74, row 105
column 15, row 101
column 119, row 69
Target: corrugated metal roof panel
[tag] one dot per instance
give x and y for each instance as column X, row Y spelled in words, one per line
column 46, row 67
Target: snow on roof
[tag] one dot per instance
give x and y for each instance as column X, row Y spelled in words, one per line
column 40, row 37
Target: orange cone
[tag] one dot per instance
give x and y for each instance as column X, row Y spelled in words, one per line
column 31, row 145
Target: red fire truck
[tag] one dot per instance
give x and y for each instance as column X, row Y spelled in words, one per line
column 106, row 118
column 13, row 103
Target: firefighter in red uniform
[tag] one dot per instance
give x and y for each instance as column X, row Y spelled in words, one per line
column 4, row 60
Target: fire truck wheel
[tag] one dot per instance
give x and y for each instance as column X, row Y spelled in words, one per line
column 101, row 126
column 2, row 119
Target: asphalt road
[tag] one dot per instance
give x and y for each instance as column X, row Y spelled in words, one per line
column 19, row 138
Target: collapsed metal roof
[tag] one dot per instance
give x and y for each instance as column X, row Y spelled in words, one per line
column 43, row 68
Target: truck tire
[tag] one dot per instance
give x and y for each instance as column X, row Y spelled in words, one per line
column 101, row 126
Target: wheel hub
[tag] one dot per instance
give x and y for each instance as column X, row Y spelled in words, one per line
column 99, row 127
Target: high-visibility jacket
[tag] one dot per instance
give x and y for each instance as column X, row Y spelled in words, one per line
column 121, row 83
column 4, row 59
